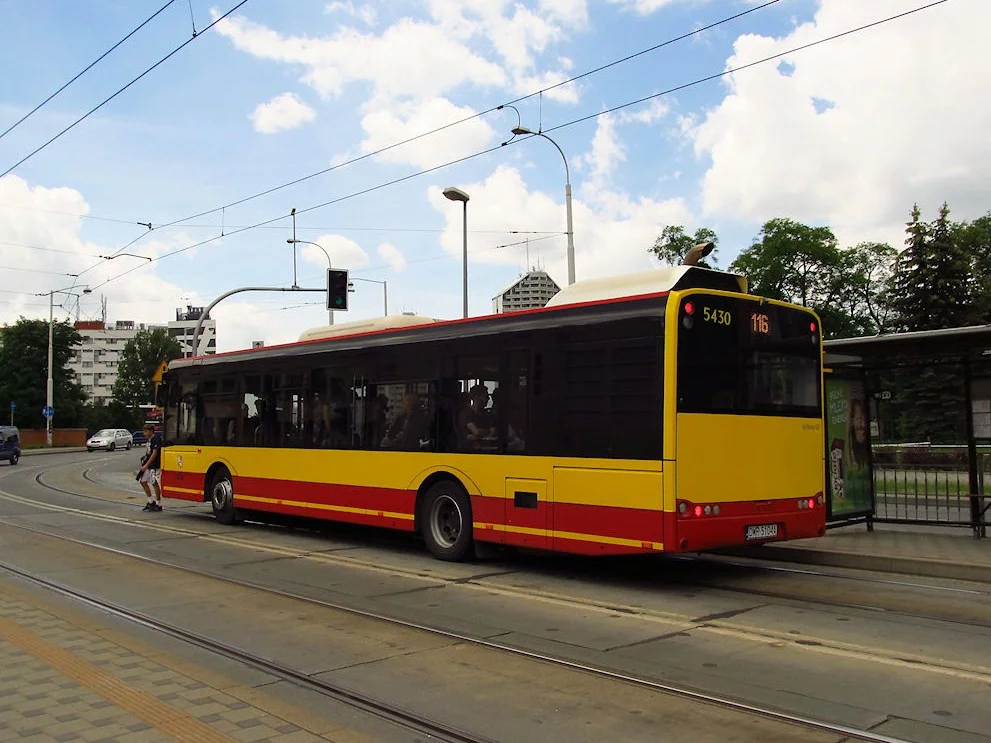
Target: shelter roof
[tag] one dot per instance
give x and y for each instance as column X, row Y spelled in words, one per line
column 971, row 342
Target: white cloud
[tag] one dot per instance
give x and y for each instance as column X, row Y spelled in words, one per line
column 643, row 7
column 385, row 127
column 482, row 43
column 393, row 256
column 365, row 13
column 612, row 232
column 886, row 141
column 572, row 13
column 283, row 112
column 431, row 61
column 606, row 152
column 344, row 252
column 608, row 149
column 648, row 114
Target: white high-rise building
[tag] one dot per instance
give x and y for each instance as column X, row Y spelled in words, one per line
column 531, row 291
column 94, row 363
column 184, row 327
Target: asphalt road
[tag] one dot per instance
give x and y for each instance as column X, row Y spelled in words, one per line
column 896, row 667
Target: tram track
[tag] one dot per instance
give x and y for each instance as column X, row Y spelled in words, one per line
column 480, row 583
column 693, row 582
column 381, row 708
column 720, row 625
column 766, row 566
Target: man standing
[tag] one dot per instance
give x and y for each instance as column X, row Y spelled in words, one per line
column 150, row 474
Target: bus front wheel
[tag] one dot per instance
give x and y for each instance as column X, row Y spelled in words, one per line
column 447, row 521
column 222, row 497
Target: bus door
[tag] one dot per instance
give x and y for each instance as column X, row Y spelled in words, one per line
column 527, row 498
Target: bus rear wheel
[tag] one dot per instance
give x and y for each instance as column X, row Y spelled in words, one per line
column 447, row 527
column 222, row 497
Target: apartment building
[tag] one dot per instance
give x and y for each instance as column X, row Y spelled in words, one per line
column 184, row 326
column 532, row 290
column 94, row 363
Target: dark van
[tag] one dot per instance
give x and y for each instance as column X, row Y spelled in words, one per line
column 10, row 444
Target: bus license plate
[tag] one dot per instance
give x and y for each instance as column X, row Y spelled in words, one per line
column 762, row 531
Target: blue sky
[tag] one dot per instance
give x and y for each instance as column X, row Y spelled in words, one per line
column 848, row 133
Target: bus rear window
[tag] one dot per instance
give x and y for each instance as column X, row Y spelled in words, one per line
column 740, row 356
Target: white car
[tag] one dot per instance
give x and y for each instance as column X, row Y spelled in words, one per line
column 110, row 439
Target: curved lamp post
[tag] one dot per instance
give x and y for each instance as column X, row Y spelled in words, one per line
column 293, row 241
column 519, row 131
column 456, row 194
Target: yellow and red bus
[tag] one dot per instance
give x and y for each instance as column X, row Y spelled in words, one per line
column 664, row 411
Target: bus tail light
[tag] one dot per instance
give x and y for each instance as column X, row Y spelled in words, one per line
column 687, row 509
column 687, row 322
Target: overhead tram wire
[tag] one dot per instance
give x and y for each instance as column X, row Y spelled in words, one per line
column 121, row 90
column 478, row 115
column 587, row 73
column 86, row 69
column 748, row 65
column 410, row 176
column 492, row 109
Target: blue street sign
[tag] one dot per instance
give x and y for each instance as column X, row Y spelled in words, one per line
column 48, row 411
column 13, row 405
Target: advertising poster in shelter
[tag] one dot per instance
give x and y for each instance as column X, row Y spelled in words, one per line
column 848, row 464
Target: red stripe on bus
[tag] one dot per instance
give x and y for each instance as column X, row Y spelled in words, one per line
column 639, row 524
column 364, row 497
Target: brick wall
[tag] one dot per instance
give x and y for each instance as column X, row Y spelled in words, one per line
column 34, row 437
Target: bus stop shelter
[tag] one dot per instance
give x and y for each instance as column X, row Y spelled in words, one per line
column 961, row 359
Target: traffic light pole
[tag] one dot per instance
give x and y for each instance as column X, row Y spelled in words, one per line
column 206, row 313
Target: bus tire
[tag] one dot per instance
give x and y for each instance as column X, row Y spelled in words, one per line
column 447, row 525
column 222, row 497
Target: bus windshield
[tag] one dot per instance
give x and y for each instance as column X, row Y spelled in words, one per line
column 739, row 356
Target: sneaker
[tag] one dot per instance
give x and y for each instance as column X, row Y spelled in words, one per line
column 155, row 507
column 150, row 506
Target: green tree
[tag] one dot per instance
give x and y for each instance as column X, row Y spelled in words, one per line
column 933, row 282
column 24, row 361
column 671, row 247
column 139, row 360
column 974, row 240
column 868, row 268
column 797, row 263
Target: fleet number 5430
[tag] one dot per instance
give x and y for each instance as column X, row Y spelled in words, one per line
column 717, row 316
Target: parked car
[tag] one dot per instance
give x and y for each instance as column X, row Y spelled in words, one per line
column 10, row 444
column 139, row 438
column 110, row 439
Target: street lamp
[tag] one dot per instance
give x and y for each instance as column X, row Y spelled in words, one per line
column 385, row 292
column 293, row 241
column 49, row 389
column 456, row 194
column 520, row 130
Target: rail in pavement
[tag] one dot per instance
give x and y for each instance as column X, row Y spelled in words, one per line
column 938, row 552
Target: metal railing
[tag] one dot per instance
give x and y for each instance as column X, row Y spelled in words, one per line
column 931, row 494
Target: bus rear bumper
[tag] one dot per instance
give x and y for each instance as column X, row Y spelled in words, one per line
column 693, row 534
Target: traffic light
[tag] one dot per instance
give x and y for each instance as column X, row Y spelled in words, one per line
column 337, row 289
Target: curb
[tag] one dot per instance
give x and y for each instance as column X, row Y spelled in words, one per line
column 53, row 450
column 882, row 563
